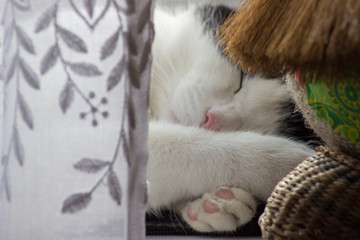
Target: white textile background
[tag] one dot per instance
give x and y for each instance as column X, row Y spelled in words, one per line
column 74, row 151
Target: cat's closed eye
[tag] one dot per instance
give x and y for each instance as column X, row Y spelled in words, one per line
column 241, row 79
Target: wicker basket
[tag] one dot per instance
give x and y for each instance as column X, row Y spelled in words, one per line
column 319, row 199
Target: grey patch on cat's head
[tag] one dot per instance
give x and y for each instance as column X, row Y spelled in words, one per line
column 213, row 17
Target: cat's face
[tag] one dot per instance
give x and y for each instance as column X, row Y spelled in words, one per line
column 212, row 100
column 198, row 93
column 194, row 85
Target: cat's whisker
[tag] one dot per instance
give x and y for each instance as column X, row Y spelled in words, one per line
column 178, row 221
column 161, row 74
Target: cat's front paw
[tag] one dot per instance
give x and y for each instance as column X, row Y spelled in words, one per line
column 225, row 209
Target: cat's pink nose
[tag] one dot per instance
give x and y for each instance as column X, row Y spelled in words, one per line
column 210, row 121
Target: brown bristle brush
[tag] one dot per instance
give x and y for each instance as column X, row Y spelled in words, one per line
column 275, row 37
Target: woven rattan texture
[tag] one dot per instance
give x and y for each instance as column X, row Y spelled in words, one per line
column 319, row 199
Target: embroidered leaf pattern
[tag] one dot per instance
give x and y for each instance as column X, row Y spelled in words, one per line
column 45, row 19
column 109, row 46
column 25, row 112
column 144, row 17
column 94, row 23
column 72, row 40
column 129, row 69
column 131, row 115
column 29, row 75
column 144, row 56
column 89, row 6
column 11, row 69
column 125, row 147
column 16, row 39
column 115, row 75
column 91, row 165
column 131, row 43
column 134, row 74
column 128, row 9
column 6, row 183
column 84, row 69
column 114, row 187
column 18, row 147
column 66, row 96
column 8, row 35
column 76, row 202
column 49, row 59
column 22, row 5
column 25, row 40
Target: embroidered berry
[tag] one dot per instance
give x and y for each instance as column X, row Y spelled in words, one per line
column 91, row 95
column 82, row 115
column 104, row 100
column 105, row 114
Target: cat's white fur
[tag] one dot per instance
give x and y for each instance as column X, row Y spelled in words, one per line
column 189, row 80
column 188, row 161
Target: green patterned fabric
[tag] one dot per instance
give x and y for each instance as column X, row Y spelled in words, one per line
column 338, row 104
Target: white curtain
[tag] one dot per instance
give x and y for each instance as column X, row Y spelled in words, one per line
column 74, row 132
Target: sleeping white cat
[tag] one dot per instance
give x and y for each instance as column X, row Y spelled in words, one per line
column 214, row 140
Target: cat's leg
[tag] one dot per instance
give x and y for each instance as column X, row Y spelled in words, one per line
column 224, row 209
column 187, row 162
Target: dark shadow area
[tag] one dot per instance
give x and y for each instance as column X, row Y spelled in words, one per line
column 171, row 224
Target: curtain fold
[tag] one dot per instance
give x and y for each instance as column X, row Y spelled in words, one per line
column 74, row 131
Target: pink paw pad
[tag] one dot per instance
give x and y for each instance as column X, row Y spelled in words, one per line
column 191, row 213
column 210, row 207
column 225, row 194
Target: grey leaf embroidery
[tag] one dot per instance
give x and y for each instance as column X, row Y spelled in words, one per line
column 144, row 17
column 76, row 202
column 25, row 112
column 49, row 59
column 66, row 96
column 8, row 36
column 89, row 6
column 18, row 147
column 25, row 40
column 22, row 5
column 134, row 74
column 91, row 165
column 129, row 6
column 115, row 75
column 5, row 177
column 84, row 69
column 29, row 75
column 109, row 46
column 72, row 40
column 114, row 187
column 94, row 23
column 131, row 43
column 131, row 114
column 125, row 147
column 11, row 69
column 144, row 56
column 6, row 183
column 45, row 19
